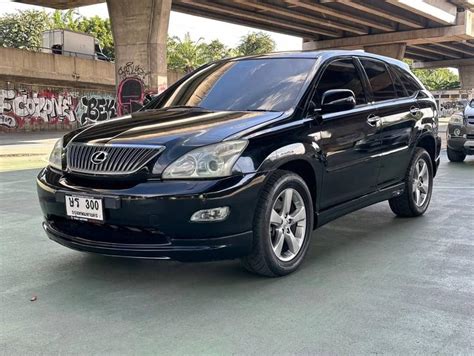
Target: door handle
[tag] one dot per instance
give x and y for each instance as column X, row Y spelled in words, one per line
column 414, row 110
column 373, row 120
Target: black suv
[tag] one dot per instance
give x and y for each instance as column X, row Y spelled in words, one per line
column 243, row 158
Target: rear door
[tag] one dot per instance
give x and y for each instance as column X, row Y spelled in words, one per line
column 346, row 138
column 397, row 114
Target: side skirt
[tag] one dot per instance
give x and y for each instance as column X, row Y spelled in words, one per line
column 325, row 216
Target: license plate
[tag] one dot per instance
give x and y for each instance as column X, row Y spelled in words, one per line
column 84, row 208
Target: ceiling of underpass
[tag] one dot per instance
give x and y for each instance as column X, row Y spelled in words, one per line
column 327, row 20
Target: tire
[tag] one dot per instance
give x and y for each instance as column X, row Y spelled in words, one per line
column 456, row 156
column 410, row 203
column 275, row 252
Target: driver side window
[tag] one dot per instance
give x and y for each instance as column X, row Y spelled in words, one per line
column 341, row 74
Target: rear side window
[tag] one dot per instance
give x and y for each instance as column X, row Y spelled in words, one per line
column 399, row 88
column 380, row 80
column 410, row 84
column 342, row 74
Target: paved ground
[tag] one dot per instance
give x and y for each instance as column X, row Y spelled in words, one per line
column 26, row 150
column 372, row 283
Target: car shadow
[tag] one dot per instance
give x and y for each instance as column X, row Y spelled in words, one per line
column 328, row 243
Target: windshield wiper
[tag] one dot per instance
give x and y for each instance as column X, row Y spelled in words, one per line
column 186, row 107
column 262, row 110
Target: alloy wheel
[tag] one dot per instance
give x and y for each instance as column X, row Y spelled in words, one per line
column 421, row 182
column 288, row 224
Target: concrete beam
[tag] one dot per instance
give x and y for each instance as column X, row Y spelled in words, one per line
column 268, row 19
column 140, row 34
column 440, row 11
column 388, row 15
column 444, row 63
column 466, row 75
column 325, row 10
column 464, row 30
column 311, row 19
column 396, row 50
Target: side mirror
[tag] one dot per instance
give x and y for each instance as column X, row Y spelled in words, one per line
column 337, row 100
column 147, row 99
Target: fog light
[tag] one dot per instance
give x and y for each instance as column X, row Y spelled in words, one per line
column 210, row 215
column 457, row 132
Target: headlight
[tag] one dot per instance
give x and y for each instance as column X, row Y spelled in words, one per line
column 56, row 156
column 206, row 162
column 456, row 119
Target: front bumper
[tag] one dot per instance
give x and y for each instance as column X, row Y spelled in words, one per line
column 151, row 219
column 464, row 141
column 185, row 250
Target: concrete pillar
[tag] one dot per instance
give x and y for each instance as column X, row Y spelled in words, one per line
column 395, row 50
column 140, row 30
column 466, row 75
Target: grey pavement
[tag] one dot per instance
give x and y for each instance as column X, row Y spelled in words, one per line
column 371, row 283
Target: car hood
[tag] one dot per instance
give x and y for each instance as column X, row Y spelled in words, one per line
column 188, row 127
column 179, row 130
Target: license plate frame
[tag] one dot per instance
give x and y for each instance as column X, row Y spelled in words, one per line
column 85, row 208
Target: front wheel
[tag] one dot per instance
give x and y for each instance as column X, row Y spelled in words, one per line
column 456, row 156
column 283, row 225
column 418, row 186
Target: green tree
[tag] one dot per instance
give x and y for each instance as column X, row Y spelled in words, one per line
column 66, row 20
column 255, row 43
column 436, row 79
column 215, row 50
column 23, row 29
column 186, row 54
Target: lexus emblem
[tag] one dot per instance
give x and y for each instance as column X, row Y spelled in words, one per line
column 99, row 157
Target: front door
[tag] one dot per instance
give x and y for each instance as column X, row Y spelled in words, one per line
column 346, row 139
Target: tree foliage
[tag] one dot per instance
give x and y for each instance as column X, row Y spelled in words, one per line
column 185, row 54
column 255, row 43
column 23, row 29
column 436, row 79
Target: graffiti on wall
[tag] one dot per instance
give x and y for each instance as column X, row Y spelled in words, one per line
column 19, row 107
column 96, row 108
column 131, row 89
column 53, row 107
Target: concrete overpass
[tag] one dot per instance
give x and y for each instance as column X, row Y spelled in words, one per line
column 434, row 33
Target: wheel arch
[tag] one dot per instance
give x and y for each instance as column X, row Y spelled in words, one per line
column 305, row 170
column 428, row 142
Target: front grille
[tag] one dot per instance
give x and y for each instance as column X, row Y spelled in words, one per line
column 470, row 137
column 112, row 159
column 470, row 120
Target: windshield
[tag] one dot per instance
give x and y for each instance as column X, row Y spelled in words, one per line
column 242, row 85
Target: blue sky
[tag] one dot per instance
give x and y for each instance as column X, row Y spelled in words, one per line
column 198, row 27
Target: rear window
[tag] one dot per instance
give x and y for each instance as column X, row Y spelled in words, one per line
column 400, row 89
column 380, row 80
column 410, row 84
